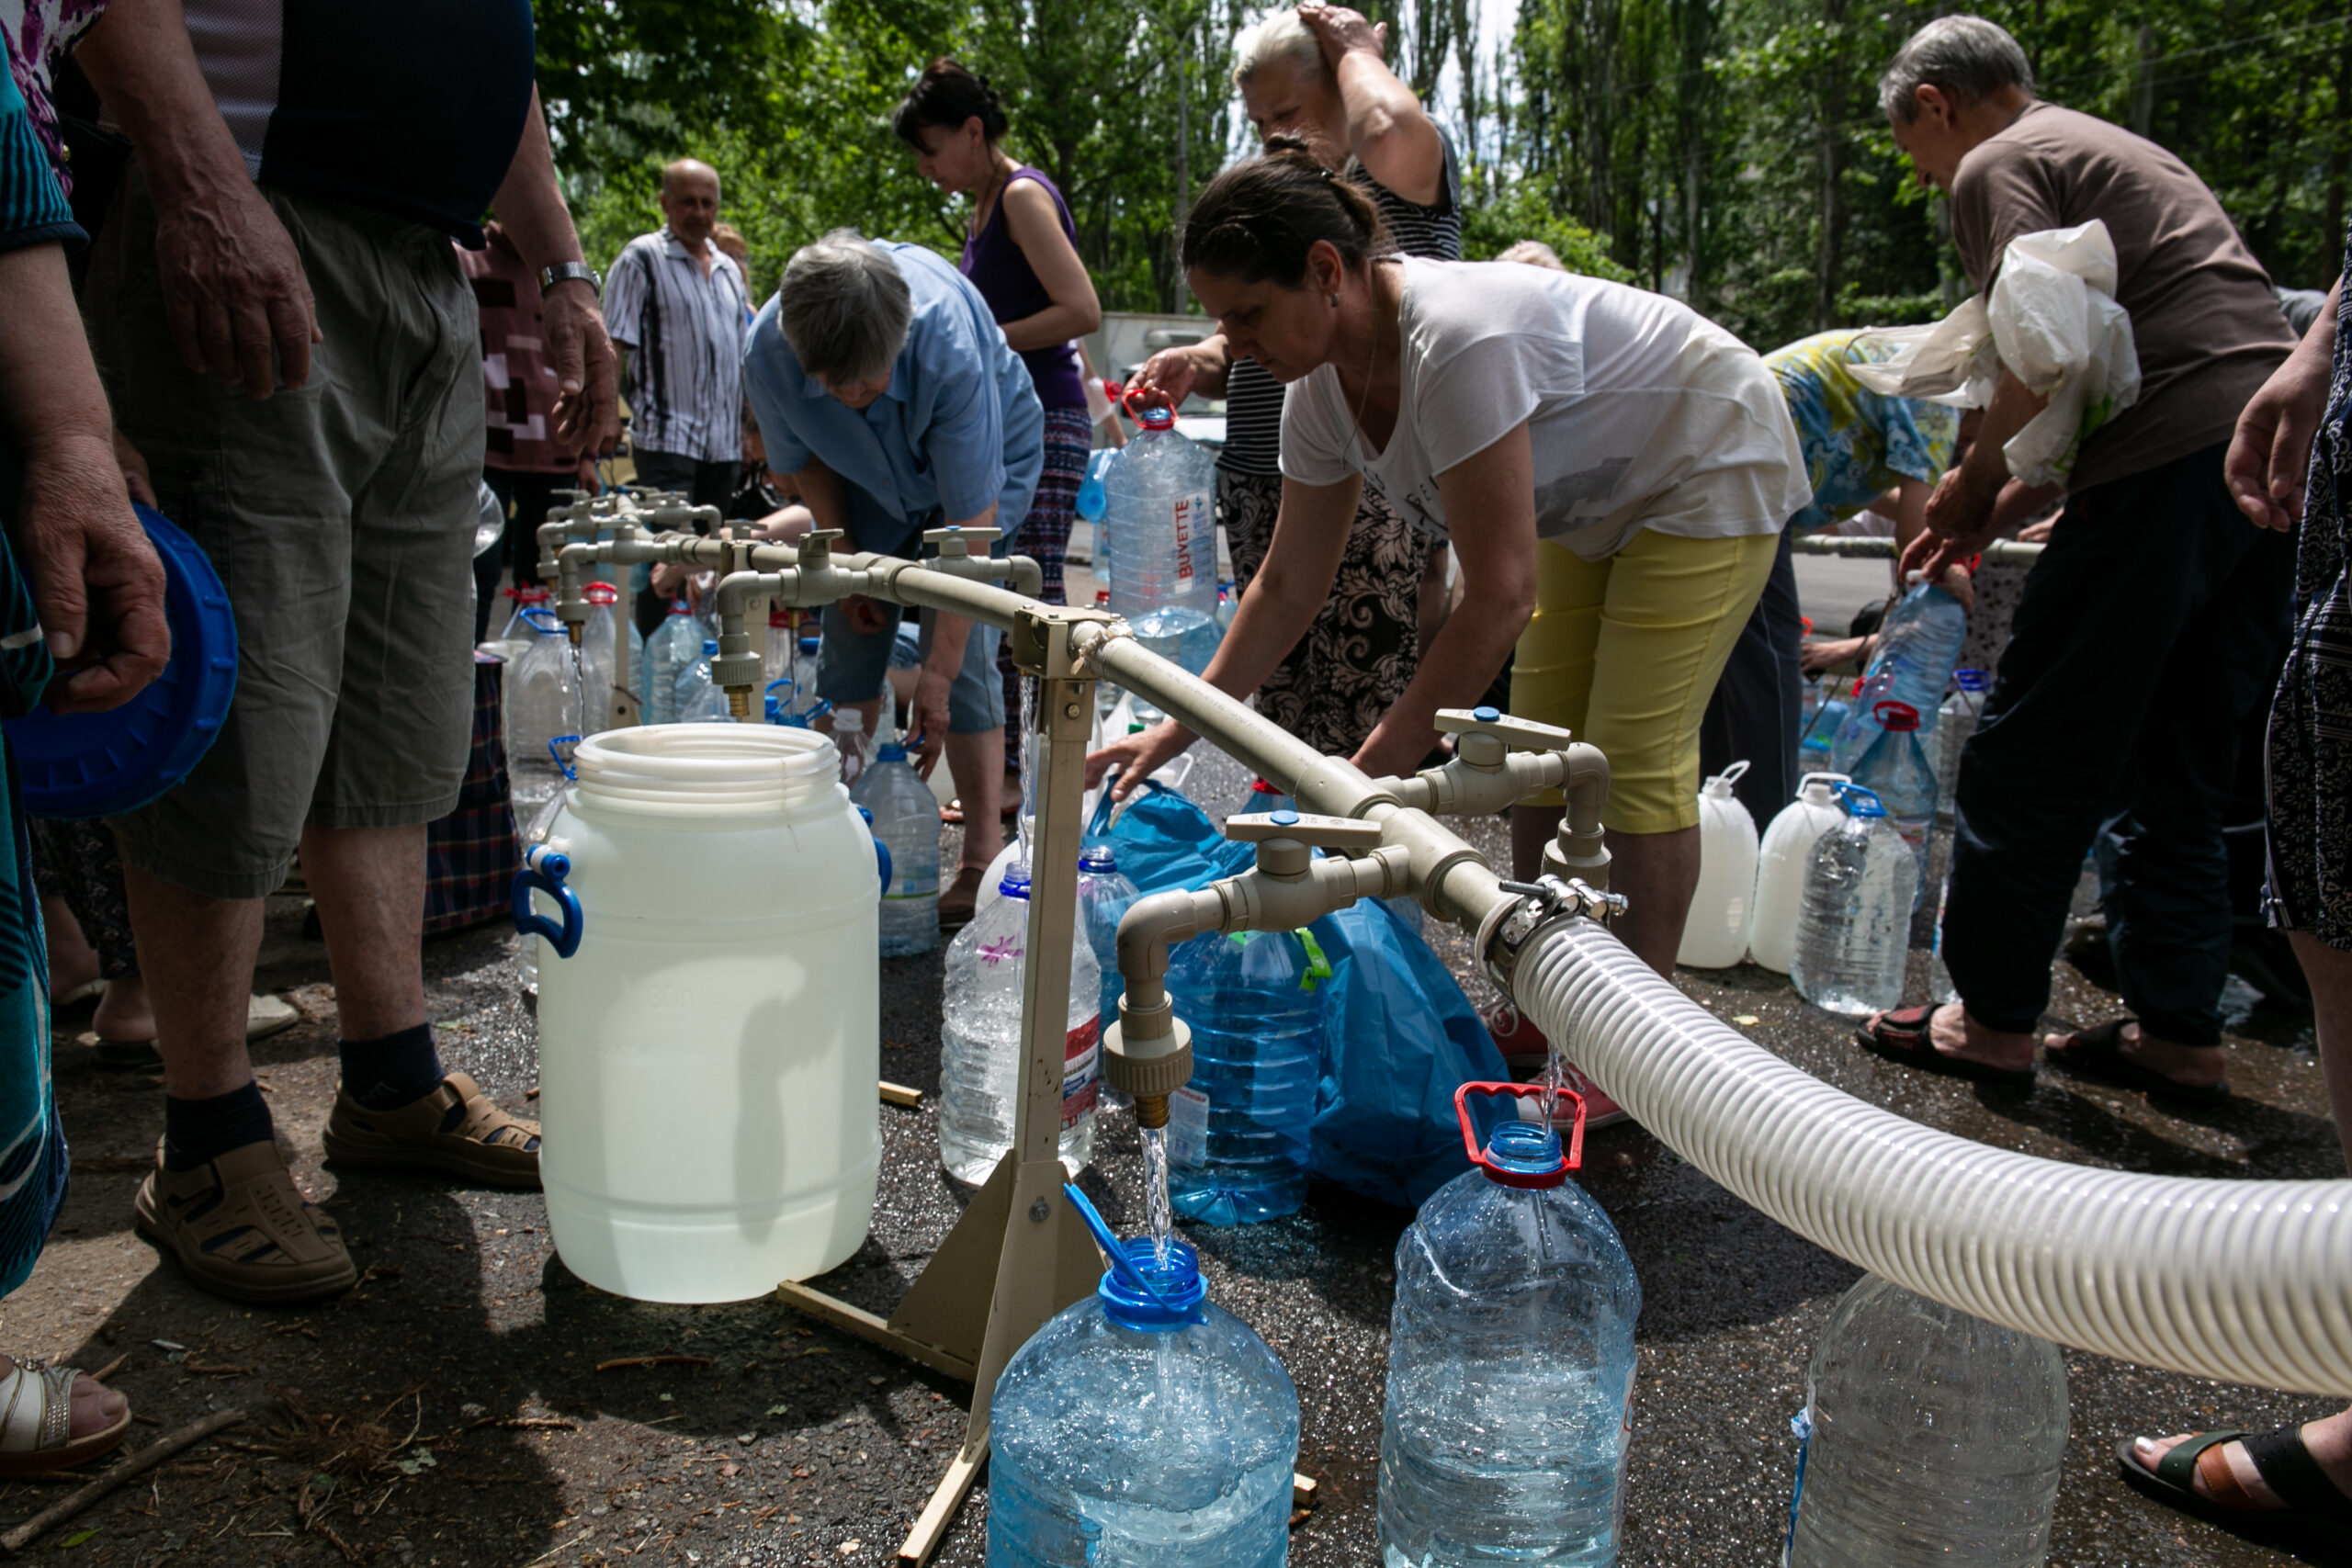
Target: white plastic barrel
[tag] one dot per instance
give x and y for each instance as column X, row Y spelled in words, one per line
column 1714, row 935
column 1781, row 867
column 708, row 1056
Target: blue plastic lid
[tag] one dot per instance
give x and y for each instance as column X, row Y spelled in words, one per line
column 1486, row 713
column 101, row 764
column 809, row 644
column 679, row 607
column 709, row 648
column 1285, row 817
column 1160, row 416
column 1016, row 882
column 1137, row 1291
column 1099, row 858
column 1970, row 680
column 1861, row 802
column 1525, row 1148
column 890, row 752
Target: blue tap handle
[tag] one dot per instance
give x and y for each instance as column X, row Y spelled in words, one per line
column 881, row 849
column 544, row 870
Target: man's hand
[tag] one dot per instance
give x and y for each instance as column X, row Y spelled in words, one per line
column 587, row 403
column 927, row 716
column 2270, row 453
column 96, row 580
column 1340, row 30
column 233, row 289
column 1137, row 756
column 1958, row 526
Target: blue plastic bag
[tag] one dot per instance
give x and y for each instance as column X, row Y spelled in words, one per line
column 1399, row 1035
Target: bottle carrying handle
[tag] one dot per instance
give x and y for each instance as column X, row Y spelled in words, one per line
column 881, row 849
column 1167, row 416
column 544, row 870
column 541, row 620
column 1503, row 1174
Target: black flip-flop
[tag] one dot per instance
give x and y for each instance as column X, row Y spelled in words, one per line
column 1901, row 1036
column 2314, row 1509
column 2098, row 1052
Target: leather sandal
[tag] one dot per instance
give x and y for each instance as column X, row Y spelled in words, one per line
column 2315, row 1509
column 35, row 1422
column 1901, row 1035
column 457, row 1129
column 2098, row 1052
column 243, row 1230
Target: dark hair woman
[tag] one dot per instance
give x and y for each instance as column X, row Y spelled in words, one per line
column 1021, row 252
column 1388, row 595
column 1603, row 459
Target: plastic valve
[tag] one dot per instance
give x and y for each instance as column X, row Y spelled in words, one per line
column 1519, row 733
column 956, row 544
column 1321, row 832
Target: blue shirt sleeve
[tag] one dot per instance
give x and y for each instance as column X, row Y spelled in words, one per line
column 964, row 438
column 32, row 205
column 772, row 381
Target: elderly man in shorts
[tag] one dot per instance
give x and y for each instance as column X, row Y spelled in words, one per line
column 291, row 344
column 885, row 389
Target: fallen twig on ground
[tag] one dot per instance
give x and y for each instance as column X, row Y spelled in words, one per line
column 155, row 1453
column 653, row 1361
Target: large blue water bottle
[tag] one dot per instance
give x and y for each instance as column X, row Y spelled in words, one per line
column 1511, row 1360
column 1143, row 1427
column 1237, row 1134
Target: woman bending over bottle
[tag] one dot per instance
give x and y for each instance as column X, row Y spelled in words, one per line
column 1021, row 253
column 1611, row 469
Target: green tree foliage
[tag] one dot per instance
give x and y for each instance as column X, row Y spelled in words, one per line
column 1735, row 153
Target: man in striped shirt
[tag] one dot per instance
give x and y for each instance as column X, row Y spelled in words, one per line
column 674, row 303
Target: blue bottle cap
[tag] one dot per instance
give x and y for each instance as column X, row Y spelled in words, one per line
column 102, row 764
column 1486, row 713
column 1285, row 817
column 1861, row 802
column 709, row 648
column 1101, row 858
column 1016, row 882
column 1525, row 1148
column 1136, row 1290
column 1972, row 680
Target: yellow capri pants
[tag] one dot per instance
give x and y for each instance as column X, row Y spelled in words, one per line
column 1625, row 652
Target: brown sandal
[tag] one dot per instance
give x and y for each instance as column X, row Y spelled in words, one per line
column 455, row 1129
column 241, row 1229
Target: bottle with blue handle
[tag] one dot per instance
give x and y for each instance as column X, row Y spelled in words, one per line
column 1091, row 505
column 1142, row 1425
column 699, row 702
column 1104, row 893
column 906, row 819
column 1237, row 1133
column 1956, row 722
column 1897, row 770
column 1919, row 645
column 1854, row 922
column 1510, row 1359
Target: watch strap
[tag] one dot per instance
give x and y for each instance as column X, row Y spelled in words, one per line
column 564, row 272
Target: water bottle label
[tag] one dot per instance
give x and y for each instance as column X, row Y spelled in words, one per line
column 1187, row 522
column 1801, row 1424
column 1082, row 1050
column 1188, row 1127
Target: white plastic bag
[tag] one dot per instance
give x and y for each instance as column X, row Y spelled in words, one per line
column 2052, row 320
column 2059, row 330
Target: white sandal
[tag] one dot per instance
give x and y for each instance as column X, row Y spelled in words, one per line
column 35, row 1422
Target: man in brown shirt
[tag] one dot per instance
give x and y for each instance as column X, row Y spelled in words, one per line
column 2152, row 626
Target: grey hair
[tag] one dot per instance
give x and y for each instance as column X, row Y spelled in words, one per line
column 1533, row 252
column 844, row 308
column 1966, row 56
column 1280, row 37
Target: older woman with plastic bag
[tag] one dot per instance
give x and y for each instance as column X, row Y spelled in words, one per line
column 1611, row 469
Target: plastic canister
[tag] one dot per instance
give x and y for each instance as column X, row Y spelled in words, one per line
column 1781, row 868
column 1714, row 935
column 707, row 1056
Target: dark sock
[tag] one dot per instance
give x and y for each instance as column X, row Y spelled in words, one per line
column 397, row 1070
column 196, row 1130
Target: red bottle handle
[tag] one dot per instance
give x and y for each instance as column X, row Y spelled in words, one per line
column 1518, row 1091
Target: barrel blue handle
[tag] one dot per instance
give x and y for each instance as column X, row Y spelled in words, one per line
column 881, row 849
column 545, row 871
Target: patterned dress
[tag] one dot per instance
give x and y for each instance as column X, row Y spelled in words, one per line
column 1858, row 444
column 2311, row 719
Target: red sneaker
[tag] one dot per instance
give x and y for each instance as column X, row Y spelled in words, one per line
column 1526, row 1053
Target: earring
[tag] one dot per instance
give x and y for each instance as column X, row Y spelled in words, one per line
column 1335, row 301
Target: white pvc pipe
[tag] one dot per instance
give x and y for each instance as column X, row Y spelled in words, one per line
column 2249, row 1281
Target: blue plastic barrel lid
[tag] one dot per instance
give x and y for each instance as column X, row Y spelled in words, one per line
column 101, row 764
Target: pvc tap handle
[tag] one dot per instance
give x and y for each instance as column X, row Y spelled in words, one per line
column 955, row 543
column 544, row 871
column 1321, row 832
column 1518, row 734
column 816, row 547
column 881, row 849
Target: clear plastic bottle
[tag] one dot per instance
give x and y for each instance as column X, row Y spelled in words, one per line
column 1818, row 740
column 1158, row 507
column 775, row 661
column 1954, row 725
column 1511, row 1367
column 518, row 625
column 1780, row 867
column 541, row 698
column 1142, row 1425
column 1855, row 920
column 1897, row 770
column 906, row 819
column 1935, row 1439
column 851, row 741
column 1919, row 645
column 698, row 700
column 675, row 644
column 1714, row 934
column 605, row 623
column 979, row 1040
column 1237, row 1133
column 1104, row 893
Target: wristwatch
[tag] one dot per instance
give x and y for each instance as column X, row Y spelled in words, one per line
column 564, row 272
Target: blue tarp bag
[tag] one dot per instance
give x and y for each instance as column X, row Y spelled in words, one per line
column 1401, row 1036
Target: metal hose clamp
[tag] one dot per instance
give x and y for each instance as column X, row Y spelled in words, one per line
column 1509, row 928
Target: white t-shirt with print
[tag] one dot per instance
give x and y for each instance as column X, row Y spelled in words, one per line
column 1641, row 413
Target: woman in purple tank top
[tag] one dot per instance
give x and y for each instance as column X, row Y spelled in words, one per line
column 1021, row 253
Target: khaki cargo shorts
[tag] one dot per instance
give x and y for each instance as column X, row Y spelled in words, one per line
column 340, row 516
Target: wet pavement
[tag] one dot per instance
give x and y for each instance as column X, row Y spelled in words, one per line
column 450, row 1411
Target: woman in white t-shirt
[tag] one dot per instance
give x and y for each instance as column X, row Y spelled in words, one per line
column 1611, row 469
